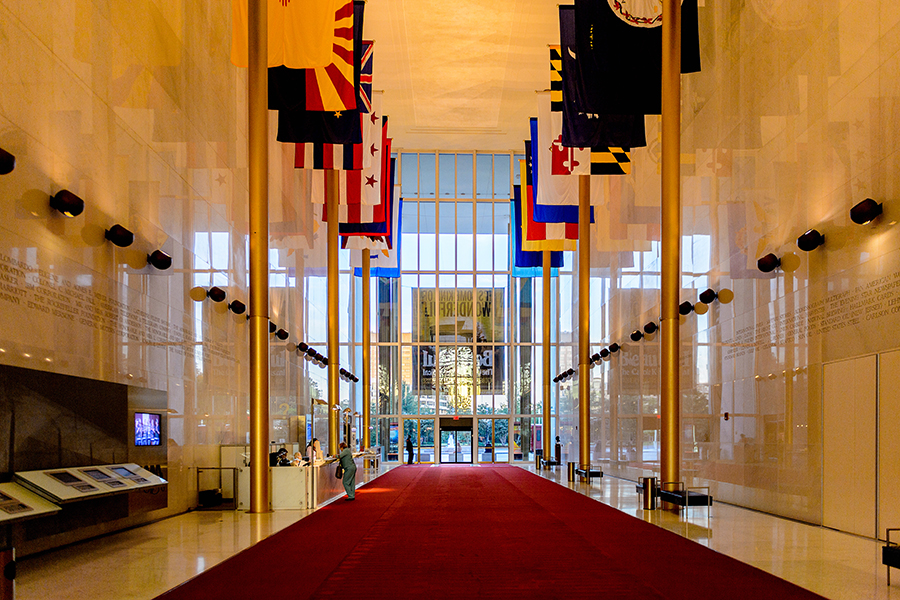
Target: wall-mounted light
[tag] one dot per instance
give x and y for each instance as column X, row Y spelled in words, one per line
column 7, row 162
column 604, row 353
column 685, row 308
column 768, row 263
column 301, row 347
column 637, row 335
column 159, row 260
column 614, row 347
column 272, row 327
column 237, row 307
column 596, row 358
column 865, row 211
column 556, row 379
column 281, row 334
column 119, row 236
column 727, row 416
column 650, row 328
column 216, row 294
column 810, row 240
column 67, row 203
column 708, row 296
column 323, row 362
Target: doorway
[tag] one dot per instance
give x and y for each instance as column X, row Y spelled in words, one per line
column 456, row 440
column 493, row 440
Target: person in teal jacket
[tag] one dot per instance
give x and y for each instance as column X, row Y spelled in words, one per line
column 349, row 479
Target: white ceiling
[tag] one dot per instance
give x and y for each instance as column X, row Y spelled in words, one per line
column 461, row 74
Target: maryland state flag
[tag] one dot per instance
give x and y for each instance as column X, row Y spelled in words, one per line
column 300, row 32
column 551, row 212
column 619, row 50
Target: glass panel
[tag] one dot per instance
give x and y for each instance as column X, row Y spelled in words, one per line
column 409, row 175
column 516, row 171
column 447, row 176
column 388, row 317
column 501, row 176
column 426, row 175
column 464, row 238
column 485, row 441
column 410, row 439
column 447, row 379
column 409, row 403
column 407, row 327
column 387, row 398
column 423, row 377
column 464, row 385
column 501, row 236
column 447, row 247
column 501, row 402
column 409, row 258
column 427, row 217
column 393, row 446
column 426, row 442
column 463, row 175
column 428, row 252
column 484, row 177
column 501, row 440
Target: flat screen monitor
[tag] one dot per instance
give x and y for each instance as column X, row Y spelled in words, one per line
column 64, row 477
column 122, row 472
column 146, row 429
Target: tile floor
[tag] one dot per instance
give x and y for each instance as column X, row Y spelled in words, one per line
column 146, row 561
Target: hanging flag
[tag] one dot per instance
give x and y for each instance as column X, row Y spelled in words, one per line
column 543, row 236
column 610, row 161
column 345, row 156
column 619, row 51
column 334, row 88
column 527, row 264
column 366, row 68
column 382, row 223
column 550, row 213
column 556, row 80
column 383, row 262
column 300, row 32
column 580, row 128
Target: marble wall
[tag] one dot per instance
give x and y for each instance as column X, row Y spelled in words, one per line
column 791, row 122
column 136, row 108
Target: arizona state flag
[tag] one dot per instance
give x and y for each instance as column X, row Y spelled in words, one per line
column 581, row 128
column 300, row 32
column 334, row 87
column 619, row 49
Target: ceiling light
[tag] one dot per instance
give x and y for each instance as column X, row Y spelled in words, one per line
column 119, row 236
column 67, row 203
column 865, row 211
column 159, row 259
column 7, row 162
column 810, row 240
column 768, row 263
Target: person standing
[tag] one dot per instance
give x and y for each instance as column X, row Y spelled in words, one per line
column 349, row 467
column 409, row 450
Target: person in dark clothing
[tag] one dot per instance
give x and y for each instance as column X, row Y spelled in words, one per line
column 409, row 450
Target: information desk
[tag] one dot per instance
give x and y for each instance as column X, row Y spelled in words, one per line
column 18, row 504
column 299, row 487
column 79, row 483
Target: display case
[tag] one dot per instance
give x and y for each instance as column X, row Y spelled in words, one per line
column 79, row 483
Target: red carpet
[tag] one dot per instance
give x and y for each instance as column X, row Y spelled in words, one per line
column 478, row 532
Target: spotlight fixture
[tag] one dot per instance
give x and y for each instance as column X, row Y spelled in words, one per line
column 7, row 162
column 237, row 307
column 556, row 379
column 768, row 263
column 708, row 296
column 685, row 308
column 637, row 335
column 119, row 236
column 302, row 347
column 272, row 327
column 650, row 328
column 310, row 353
column 323, row 362
column 216, row 294
column 865, row 211
column 810, row 240
column 159, row 259
column 570, row 372
column 604, row 353
column 67, row 203
column 596, row 358
column 613, row 347
column 281, row 334
column 727, row 416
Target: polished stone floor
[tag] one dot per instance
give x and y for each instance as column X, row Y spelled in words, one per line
column 144, row 562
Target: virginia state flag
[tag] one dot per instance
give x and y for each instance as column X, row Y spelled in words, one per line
column 300, row 32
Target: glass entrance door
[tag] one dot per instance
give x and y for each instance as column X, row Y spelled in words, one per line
column 493, row 440
column 421, row 432
column 456, row 446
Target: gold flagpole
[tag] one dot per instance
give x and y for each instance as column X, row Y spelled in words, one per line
column 545, row 344
column 584, row 323
column 366, row 346
column 670, row 405
column 258, row 130
column 334, row 350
